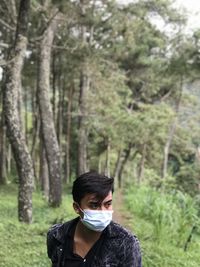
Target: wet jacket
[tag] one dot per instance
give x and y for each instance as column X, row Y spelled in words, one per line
column 120, row 247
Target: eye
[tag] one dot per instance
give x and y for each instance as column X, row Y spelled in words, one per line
column 108, row 205
column 94, row 205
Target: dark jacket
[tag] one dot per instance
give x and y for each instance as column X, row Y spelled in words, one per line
column 120, row 247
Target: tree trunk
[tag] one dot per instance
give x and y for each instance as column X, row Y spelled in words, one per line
column 36, row 129
column 3, row 175
column 167, row 147
column 68, row 135
column 141, row 165
column 44, row 175
column 126, row 154
column 46, row 114
column 13, row 11
column 60, row 108
column 118, row 166
column 82, row 131
column 84, row 87
column 59, row 111
column 172, row 131
column 54, row 85
column 26, row 115
column 8, row 159
column 100, row 164
column 15, row 132
column 107, row 169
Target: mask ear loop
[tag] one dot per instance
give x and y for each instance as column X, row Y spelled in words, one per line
column 78, row 208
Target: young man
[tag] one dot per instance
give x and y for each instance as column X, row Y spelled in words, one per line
column 92, row 239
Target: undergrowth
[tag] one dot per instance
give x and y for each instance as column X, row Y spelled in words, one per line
column 24, row 245
column 164, row 223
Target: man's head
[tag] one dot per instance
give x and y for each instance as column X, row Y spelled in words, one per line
column 92, row 194
column 93, row 185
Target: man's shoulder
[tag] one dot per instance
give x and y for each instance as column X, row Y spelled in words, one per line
column 119, row 231
column 124, row 245
column 56, row 236
column 59, row 230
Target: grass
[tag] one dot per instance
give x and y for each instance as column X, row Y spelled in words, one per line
column 24, row 245
column 163, row 225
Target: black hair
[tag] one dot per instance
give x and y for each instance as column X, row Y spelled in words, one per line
column 92, row 183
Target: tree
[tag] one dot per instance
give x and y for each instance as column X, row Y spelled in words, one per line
column 11, row 98
column 180, row 71
column 47, row 123
column 3, row 175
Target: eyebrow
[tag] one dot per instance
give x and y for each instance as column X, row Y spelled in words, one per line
column 93, row 201
column 99, row 202
column 110, row 200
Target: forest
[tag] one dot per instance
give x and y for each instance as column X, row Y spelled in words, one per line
column 99, row 85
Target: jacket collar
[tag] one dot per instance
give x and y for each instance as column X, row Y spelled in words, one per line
column 112, row 230
column 62, row 230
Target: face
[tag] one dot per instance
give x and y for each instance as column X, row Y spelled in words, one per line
column 90, row 202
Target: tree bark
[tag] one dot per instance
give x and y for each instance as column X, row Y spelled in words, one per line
column 26, row 115
column 141, row 164
column 36, row 130
column 47, row 123
column 8, row 159
column 15, row 132
column 126, row 154
column 68, row 135
column 13, row 11
column 118, row 163
column 3, row 175
column 44, row 175
column 82, row 129
column 59, row 121
column 172, row 131
column 84, row 87
column 107, row 169
column 100, row 164
column 36, row 127
column 54, row 76
column 167, row 147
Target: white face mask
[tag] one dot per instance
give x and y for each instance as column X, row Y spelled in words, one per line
column 97, row 220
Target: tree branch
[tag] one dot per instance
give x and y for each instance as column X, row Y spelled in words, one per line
column 5, row 62
column 4, row 45
column 7, row 25
column 13, row 11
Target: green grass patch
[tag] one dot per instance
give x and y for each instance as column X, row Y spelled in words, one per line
column 163, row 223
column 24, row 245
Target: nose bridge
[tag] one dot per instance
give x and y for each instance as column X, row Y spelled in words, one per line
column 101, row 206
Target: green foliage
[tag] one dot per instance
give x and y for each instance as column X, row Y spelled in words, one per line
column 163, row 223
column 132, row 68
column 152, row 179
column 188, row 178
column 147, row 119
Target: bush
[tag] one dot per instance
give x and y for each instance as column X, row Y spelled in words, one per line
column 164, row 223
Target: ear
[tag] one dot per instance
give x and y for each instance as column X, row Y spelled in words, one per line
column 76, row 207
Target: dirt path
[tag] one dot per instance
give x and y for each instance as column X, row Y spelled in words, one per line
column 120, row 215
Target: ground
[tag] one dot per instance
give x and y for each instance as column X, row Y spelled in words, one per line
column 120, row 214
